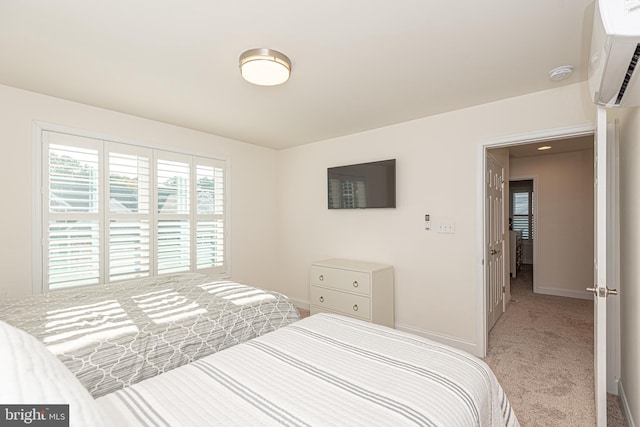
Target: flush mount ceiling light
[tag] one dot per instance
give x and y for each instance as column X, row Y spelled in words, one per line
column 265, row 67
column 544, row 147
column 560, row 73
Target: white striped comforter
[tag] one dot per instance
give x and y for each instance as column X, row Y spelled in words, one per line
column 323, row 370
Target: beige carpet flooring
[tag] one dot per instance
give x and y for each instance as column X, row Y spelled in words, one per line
column 541, row 350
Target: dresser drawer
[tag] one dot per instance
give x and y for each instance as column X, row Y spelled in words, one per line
column 345, row 280
column 349, row 304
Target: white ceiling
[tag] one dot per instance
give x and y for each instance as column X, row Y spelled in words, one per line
column 357, row 64
column 558, row 146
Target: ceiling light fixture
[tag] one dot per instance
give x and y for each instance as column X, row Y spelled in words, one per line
column 544, row 147
column 265, row 67
column 561, row 73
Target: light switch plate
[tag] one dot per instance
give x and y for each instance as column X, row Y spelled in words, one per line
column 447, row 227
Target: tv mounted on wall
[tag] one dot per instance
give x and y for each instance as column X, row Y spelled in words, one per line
column 363, row 185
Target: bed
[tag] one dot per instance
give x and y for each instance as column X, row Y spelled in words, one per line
column 323, row 370
column 116, row 335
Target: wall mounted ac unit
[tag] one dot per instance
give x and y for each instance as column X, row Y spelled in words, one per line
column 614, row 72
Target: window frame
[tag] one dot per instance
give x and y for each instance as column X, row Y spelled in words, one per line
column 41, row 214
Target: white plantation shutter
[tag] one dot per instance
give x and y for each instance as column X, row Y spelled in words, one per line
column 129, row 251
column 73, row 179
column 73, row 253
column 173, row 246
column 174, row 209
column 72, row 194
column 114, row 211
column 129, row 212
column 210, row 227
column 522, row 213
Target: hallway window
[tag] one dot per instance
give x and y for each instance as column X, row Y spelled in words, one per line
column 522, row 207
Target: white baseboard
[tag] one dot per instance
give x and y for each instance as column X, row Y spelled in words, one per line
column 625, row 406
column 563, row 293
column 467, row 346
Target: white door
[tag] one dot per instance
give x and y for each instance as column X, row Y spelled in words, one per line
column 494, row 253
column 600, row 290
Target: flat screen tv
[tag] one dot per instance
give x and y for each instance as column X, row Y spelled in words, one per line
column 364, row 185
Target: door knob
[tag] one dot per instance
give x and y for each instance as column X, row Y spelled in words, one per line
column 603, row 292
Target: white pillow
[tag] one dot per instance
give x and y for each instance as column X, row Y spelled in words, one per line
column 30, row 374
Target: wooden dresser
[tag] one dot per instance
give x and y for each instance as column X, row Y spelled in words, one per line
column 359, row 289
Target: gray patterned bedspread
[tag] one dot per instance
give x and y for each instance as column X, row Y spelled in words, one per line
column 116, row 335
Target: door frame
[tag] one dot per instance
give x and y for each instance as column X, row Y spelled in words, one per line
column 481, row 154
column 613, row 260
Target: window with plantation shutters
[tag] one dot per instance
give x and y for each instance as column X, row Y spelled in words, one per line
column 174, row 213
column 113, row 211
column 522, row 207
column 210, row 230
column 72, row 227
column 128, row 217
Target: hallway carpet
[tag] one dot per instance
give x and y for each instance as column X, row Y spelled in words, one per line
column 541, row 350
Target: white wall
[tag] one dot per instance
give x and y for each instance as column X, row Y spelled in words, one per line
column 629, row 266
column 253, row 182
column 564, row 215
column 435, row 274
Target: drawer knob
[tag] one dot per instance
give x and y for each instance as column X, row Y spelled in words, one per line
column 355, row 307
column 321, row 298
column 355, row 284
column 321, row 277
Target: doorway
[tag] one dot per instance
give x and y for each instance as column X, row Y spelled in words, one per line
column 512, row 147
column 550, row 203
column 607, row 242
